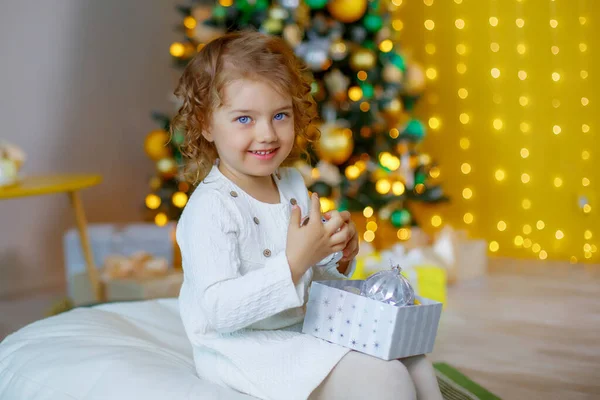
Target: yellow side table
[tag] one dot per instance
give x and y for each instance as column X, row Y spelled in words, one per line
column 70, row 184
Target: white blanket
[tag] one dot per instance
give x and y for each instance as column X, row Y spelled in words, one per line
column 116, row 351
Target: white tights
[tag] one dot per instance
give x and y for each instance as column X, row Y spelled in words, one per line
column 359, row 376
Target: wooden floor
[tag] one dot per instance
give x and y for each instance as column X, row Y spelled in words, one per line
column 527, row 331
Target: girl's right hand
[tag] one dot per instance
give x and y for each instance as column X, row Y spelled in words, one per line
column 309, row 244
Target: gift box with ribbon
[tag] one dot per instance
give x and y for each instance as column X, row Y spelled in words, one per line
column 337, row 314
column 461, row 258
column 140, row 276
column 132, row 260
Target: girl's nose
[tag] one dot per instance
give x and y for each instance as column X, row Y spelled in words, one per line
column 267, row 133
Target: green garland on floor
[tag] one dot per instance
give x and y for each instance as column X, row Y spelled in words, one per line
column 456, row 386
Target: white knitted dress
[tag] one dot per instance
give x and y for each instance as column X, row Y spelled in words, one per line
column 240, row 308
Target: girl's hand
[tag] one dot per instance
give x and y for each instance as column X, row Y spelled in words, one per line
column 309, row 244
column 351, row 245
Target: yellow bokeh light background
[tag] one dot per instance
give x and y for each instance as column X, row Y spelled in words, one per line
column 516, row 93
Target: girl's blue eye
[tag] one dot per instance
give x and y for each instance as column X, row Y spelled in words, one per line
column 243, row 120
column 280, row 116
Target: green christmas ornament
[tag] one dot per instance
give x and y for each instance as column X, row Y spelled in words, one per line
column 369, row 44
column 219, row 12
column 368, row 90
column 243, row 5
column 414, row 129
column 373, row 23
column 420, row 178
column 400, row 218
column 398, row 61
column 262, row 5
column 316, row 4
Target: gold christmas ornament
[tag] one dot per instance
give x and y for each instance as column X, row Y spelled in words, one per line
column 347, row 11
column 392, row 111
column 362, row 59
column 336, row 144
column 338, row 50
column 292, row 34
column 156, row 145
column 302, row 15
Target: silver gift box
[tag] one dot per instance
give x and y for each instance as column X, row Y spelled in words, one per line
column 369, row 326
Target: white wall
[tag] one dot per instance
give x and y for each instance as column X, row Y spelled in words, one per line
column 78, row 80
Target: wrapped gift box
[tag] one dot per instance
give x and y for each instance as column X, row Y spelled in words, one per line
column 427, row 274
column 429, row 281
column 109, row 239
column 369, row 326
column 124, row 289
column 144, row 288
column 461, row 258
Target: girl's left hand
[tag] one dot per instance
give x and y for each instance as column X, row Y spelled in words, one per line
column 351, row 249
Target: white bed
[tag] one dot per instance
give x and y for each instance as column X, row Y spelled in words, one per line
column 115, row 351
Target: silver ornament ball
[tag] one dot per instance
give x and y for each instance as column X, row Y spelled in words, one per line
column 390, row 287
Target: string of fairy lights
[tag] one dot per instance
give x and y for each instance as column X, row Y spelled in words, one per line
column 525, row 129
column 524, row 120
column 588, row 248
column 464, row 116
column 431, row 72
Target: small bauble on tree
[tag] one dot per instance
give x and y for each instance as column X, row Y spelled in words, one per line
column 156, row 145
column 373, row 23
column 335, row 145
column 316, row 4
column 362, row 59
column 414, row 130
column 400, row 218
column 347, row 11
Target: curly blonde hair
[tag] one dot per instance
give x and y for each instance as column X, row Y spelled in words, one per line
column 238, row 55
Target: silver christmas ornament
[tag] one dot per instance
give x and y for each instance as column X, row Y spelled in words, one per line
column 389, row 287
column 315, row 53
column 291, row 4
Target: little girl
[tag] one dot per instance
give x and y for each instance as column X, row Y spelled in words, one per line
column 247, row 260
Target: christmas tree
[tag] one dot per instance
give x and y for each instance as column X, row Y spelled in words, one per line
column 367, row 158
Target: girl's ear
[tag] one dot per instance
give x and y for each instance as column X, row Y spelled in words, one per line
column 207, row 135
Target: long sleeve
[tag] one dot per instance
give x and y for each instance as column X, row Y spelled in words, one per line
column 208, row 238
